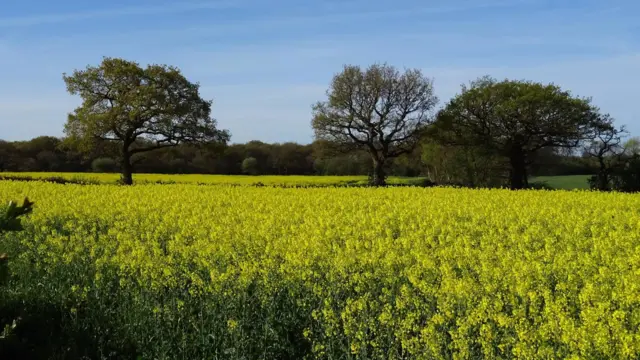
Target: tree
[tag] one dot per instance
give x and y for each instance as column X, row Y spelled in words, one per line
column 261, row 152
column 329, row 159
column 606, row 148
column 8, row 156
column 461, row 165
column 516, row 119
column 625, row 176
column 250, row 166
column 632, row 147
column 379, row 110
column 291, row 158
column 141, row 109
column 104, row 165
column 48, row 161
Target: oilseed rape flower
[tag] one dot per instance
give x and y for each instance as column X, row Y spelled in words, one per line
column 206, row 272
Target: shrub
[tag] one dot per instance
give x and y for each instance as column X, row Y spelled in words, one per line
column 250, row 166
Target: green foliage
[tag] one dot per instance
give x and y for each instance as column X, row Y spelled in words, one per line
column 619, row 163
column 104, row 165
column 317, row 158
column 626, row 178
column 141, row 109
column 124, row 102
column 8, row 158
column 471, row 166
column 10, row 221
column 516, row 119
column 10, row 216
column 250, row 166
column 378, row 110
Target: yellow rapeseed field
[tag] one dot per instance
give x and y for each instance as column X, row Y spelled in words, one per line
column 194, row 272
column 284, row 180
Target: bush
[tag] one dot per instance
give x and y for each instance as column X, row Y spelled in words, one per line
column 623, row 177
column 627, row 178
column 250, row 166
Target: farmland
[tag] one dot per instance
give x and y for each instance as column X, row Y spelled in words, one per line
column 251, row 198
column 570, row 182
column 293, row 180
column 567, row 182
column 205, row 272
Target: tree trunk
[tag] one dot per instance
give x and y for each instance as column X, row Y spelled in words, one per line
column 604, row 181
column 4, row 268
column 518, row 169
column 127, row 168
column 603, row 176
column 378, row 178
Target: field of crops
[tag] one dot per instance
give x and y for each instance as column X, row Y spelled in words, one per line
column 567, row 182
column 292, row 180
column 217, row 272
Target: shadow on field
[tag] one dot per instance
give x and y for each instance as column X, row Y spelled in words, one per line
column 46, row 331
column 51, row 179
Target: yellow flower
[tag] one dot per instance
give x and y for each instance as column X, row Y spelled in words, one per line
column 429, row 273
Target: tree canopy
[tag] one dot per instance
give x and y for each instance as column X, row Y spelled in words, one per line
column 141, row 109
column 516, row 119
column 377, row 109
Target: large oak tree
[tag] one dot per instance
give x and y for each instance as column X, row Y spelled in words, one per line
column 141, row 109
column 377, row 109
column 516, row 119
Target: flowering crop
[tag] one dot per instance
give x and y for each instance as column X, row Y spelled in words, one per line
column 288, row 180
column 187, row 271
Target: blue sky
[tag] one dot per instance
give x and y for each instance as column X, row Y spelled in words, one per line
column 265, row 62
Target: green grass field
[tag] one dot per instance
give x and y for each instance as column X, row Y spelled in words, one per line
column 569, row 182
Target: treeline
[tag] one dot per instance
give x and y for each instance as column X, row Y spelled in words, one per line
column 438, row 163
column 51, row 154
column 375, row 121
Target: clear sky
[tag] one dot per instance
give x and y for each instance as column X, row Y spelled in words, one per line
column 265, row 62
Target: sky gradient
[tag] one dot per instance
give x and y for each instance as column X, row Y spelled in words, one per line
column 264, row 63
